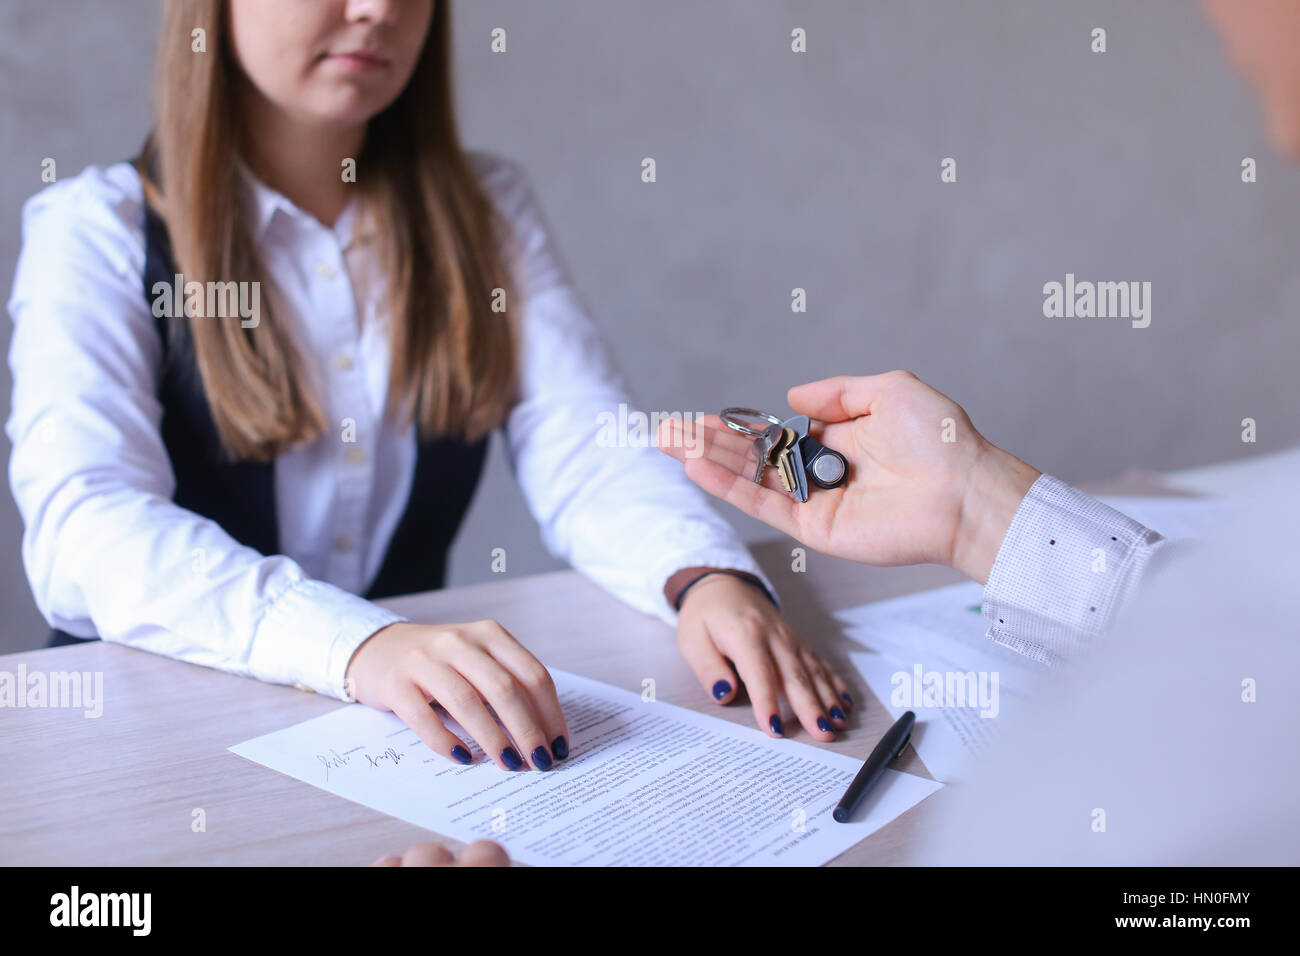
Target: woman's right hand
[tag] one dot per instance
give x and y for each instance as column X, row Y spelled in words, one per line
column 465, row 669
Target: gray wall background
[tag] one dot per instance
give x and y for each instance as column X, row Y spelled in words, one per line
column 820, row 170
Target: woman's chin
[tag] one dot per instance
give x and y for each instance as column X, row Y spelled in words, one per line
column 348, row 107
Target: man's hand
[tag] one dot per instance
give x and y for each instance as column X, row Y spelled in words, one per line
column 924, row 485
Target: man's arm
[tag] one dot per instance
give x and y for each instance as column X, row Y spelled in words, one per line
column 926, row 487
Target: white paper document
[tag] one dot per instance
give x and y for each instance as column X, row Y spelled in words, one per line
column 942, row 629
column 946, row 738
column 931, row 656
column 646, row 784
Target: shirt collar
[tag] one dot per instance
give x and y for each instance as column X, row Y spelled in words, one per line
column 264, row 203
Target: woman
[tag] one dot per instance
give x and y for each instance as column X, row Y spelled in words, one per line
column 254, row 372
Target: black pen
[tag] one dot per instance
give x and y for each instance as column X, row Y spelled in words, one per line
column 890, row 746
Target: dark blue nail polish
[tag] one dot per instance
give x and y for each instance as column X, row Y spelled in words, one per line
column 460, row 753
column 837, row 714
column 824, row 724
column 511, row 759
column 560, row 747
column 721, row 689
column 541, row 759
column 848, row 699
column 775, row 724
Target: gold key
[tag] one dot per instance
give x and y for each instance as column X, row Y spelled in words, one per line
column 784, row 462
column 780, row 438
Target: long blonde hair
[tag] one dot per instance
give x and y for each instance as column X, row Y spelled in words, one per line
column 441, row 244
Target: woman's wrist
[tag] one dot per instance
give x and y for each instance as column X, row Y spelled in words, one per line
column 689, row 579
column 994, row 488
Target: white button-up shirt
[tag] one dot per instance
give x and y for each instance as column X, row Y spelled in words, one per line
column 108, row 552
column 1066, row 567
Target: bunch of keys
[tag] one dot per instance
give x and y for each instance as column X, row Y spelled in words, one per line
column 787, row 446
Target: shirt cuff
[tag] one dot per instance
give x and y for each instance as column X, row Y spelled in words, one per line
column 1066, row 566
column 310, row 633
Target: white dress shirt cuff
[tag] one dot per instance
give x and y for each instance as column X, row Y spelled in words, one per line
column 1066, row 566
column 310, row 633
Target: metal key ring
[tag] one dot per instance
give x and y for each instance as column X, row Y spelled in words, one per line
column 729, row 414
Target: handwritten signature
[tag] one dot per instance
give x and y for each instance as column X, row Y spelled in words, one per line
column 335, row 760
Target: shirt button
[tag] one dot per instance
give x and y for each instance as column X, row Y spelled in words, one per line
column 342, row 543
column 325, row 270
column 356, row 455
column 342, row 362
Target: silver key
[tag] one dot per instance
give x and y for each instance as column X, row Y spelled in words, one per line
column 763, row 446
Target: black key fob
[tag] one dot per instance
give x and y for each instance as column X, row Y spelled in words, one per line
column 827, row 468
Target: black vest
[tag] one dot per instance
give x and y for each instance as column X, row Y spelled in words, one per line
column 240, row 495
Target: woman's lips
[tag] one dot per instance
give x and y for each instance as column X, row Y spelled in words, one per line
column 357, row 61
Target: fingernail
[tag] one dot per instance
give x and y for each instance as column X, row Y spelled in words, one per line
column 775, row 724
column 824, row 725
column 461, row 754
column 848, row 699
column 560, row 747
column 511, row 759
column 837, row 714
column 721, row 689
column 541, row 759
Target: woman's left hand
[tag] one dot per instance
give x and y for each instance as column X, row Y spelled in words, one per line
column 725, row 619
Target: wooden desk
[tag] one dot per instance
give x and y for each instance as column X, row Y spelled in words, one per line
column 122, row 788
